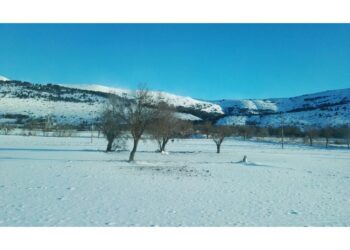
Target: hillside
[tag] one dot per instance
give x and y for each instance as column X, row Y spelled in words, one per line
column 80, row 104
column 182, row 103
column 20, row 101
column 328, row 108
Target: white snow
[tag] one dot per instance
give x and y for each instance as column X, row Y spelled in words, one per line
column 188, row 117
column 333, row 116
column 100, row 88
column 61, row 111
column 175, row 100
column 233, row 119
column 3, row 78
column 254, row 106
column 328, row 108
column 51, row 181
column 64, row 112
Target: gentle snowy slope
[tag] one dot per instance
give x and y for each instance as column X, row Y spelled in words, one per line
column 247, row 106
column 77, row 105
column 335, row 116
column 62, row 112
column 100, row 88
column 81, row 103
column 48, row 181
column 37, row 101
column 175, row 100
column 3, row 78
column 304, row 102
column 328, row 108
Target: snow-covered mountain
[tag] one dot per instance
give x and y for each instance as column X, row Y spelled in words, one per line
column 181, row 102
column 328, row 108
column 78, row 104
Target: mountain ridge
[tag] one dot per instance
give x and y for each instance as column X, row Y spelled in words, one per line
column 82, row 103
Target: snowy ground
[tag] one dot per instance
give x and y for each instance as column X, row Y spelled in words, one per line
column 48, row 181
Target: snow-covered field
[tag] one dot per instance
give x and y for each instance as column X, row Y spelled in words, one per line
column 49, row 181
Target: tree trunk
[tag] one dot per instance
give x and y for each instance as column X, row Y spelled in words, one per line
column 164, row 144
column 109, row 146
column 160, row 146
column 282, row 137
column 133, row 151
column 218, row 148
column 310, row 141
column 326, row 142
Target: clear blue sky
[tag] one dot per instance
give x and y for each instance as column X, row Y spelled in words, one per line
column 207, row 61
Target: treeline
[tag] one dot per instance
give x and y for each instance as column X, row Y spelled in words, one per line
column 309, row 134
column 40, row 126
column 48, row 127
column 137, row 118
column 142, row 115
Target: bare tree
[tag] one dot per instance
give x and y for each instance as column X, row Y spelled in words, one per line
column 139, row 116
column 282, row 130
column 345, row 133
column 47, row 125
column 218, row 134
column 184, row 129
column 246, row 131
column 262, row 132
column 326, row 132
column 206, row 128
column 136, row 114
column 110, row 122
column 6, row 128
column 165, row 125
column 63, row 130
column 311, row 133
column 292, row 131
column 32, row 127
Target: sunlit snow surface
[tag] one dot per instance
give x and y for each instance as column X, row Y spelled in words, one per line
column 175, row 100
column 50, row 181
column 327, row 108
column 73, row 106
column 3, row 78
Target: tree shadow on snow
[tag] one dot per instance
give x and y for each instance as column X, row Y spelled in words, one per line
column 253, row 164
